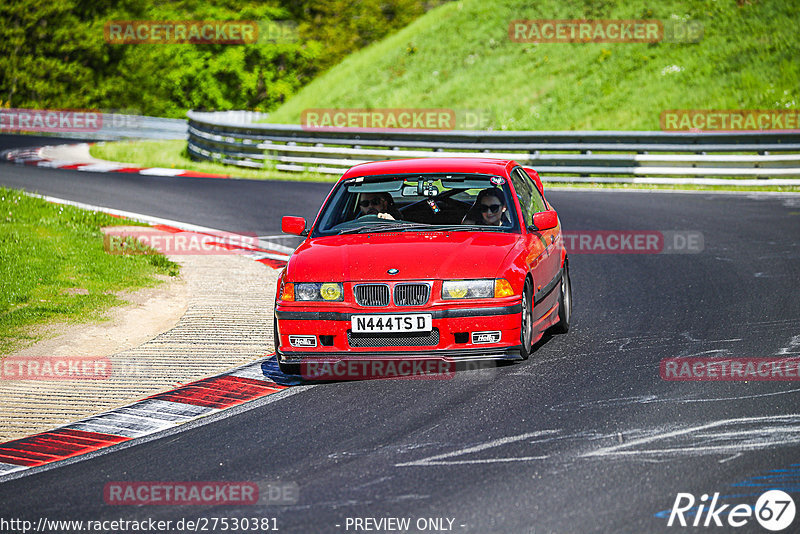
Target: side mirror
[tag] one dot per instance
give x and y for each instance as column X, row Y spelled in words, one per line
column 544, row 220
column 293, row 225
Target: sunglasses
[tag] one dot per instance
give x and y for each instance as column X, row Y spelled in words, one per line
column 372, row 201
column 494, row 208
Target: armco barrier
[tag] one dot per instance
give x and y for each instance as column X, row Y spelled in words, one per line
column 234, row 138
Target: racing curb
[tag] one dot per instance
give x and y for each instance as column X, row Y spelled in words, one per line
column 160, row 412
column 34, row 157
column 154, row 414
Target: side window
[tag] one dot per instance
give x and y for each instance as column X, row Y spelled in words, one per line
column 537, row 198
column 525, row 190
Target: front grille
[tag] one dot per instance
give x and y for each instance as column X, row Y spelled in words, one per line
column 411, row 339
column 411, row 294
column 372, row 294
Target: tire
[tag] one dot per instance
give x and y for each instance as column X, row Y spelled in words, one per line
column 289, row 368
column 276, row 338
column 564, row 303
column 526, row 321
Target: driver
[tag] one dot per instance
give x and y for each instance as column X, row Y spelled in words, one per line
column 380, row 204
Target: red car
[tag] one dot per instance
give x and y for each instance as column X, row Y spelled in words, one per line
column 451, row 258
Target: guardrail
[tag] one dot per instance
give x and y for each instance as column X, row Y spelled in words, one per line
column 234, row 138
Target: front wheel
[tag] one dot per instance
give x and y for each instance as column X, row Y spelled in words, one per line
column 526, row 321
column 564, row 303
column 289, row 368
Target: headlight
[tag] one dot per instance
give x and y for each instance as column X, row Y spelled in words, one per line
column 330, row 291
column 476, row 289
column 467, row 289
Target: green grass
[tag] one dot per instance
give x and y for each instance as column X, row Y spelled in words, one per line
column 459, row 56
column 54, row 267
column 172, row 154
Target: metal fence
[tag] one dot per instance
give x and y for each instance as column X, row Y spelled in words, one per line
column 752, row 158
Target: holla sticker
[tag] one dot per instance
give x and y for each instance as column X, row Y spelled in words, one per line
column 497, row 181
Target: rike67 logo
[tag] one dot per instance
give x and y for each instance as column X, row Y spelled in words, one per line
column 774, row 510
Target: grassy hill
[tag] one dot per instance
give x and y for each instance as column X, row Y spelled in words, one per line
column 460, row 56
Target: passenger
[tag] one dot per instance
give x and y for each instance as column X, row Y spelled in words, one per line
column 380, row 204
column 489, row 209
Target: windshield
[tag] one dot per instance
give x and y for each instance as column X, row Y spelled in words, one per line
column 427, row 202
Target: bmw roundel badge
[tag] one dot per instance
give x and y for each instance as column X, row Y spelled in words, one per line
column 393, row 271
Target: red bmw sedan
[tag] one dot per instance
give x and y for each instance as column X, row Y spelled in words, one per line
column 445, row 258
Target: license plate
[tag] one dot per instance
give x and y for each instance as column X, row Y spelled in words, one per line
column 364, row 324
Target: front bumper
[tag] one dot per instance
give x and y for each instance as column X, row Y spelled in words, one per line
column 452, row 336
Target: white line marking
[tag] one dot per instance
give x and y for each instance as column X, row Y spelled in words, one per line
column 470, row 462
column 793, row 348
column 436, row 460
column 161, row 171
column 647, row 399
column 753, row 433
column 100, row 167
column 54, row 163
column 10, row 468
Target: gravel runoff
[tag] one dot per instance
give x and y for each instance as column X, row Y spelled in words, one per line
column 228, row 322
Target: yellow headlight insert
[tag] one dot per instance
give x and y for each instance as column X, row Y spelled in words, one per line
column 456, row 291
column 467, row 289
column 330, row 291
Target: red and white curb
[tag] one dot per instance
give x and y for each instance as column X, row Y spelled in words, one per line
column 159, row 412
column 34, row 157
column 146, row 417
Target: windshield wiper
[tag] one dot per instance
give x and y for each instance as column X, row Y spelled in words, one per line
column 384, row 227
column 461, row 228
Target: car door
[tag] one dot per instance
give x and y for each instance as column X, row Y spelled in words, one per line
column 541, row 244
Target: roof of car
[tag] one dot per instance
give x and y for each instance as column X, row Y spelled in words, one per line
column 431, row 165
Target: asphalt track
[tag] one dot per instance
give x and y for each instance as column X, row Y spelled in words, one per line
column 583, row 437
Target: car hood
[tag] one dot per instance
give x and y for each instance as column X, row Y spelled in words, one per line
column 416, row 256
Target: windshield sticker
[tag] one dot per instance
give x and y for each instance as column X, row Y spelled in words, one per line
column 497, row 181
